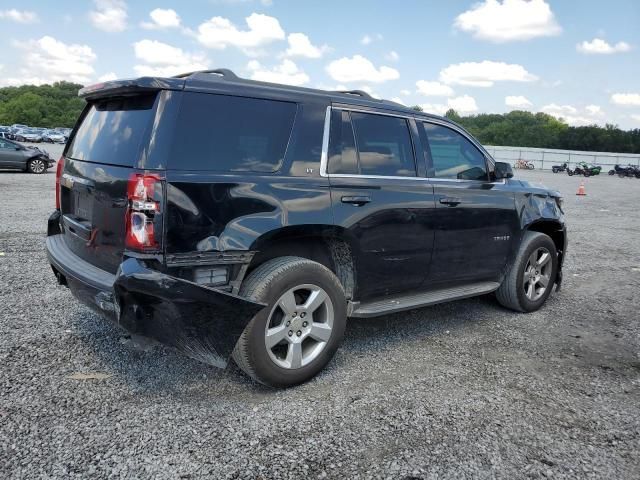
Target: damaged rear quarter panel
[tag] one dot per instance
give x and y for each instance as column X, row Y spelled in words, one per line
column 201, row 322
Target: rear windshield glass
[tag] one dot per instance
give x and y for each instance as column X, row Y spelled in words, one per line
column 227, row 134
column 112, row 131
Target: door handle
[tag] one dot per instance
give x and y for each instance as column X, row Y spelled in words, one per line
column 357, row 200
column 451, row 201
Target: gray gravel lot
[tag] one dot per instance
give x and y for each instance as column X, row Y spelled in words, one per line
column 461, row 390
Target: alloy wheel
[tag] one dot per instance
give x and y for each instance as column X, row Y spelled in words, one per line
column 537, row 274
column 37, row 166
column 299, row 326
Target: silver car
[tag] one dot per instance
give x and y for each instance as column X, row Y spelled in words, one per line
column 19, row 157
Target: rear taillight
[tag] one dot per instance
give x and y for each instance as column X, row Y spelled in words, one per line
column 59, row 169
column 144, row 192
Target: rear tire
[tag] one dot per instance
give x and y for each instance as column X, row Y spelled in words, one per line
column 303, row 323
column 521, row 289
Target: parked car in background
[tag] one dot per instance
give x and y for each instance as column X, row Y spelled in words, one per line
column 53, row 136
column 20, row 157
column 271, row 213
column 29, row 135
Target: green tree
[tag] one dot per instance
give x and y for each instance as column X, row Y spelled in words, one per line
column 56, row 105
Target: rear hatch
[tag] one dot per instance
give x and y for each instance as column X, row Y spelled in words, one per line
column 99, row 162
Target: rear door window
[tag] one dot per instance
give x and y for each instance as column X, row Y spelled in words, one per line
column 384, row 145
column 113, row 130
column 231, row 134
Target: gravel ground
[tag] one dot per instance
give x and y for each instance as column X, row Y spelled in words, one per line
column 460, row 390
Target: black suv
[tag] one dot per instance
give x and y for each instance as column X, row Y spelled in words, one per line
column 224, row 216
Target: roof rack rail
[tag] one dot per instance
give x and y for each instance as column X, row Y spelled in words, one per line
column 360, row 93
column 223, row 72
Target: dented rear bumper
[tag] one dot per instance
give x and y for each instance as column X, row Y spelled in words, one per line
column 203, row 323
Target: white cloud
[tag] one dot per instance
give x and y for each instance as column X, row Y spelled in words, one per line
column 398, row 100
column 517, row 101
column 163, row 60
column 636, row 117
column 589, row 115
column 18, row 16
column 392, row 56
column 599, row 46
column 594, row 110
column 369, row 90
column 508, row 20
column 368, row 39
column 484, row 74
column 360, row 69
column 626, row 99
column 434, row 89
column 109, row 15
column 301, row 46
column 48, row 60
column 107, row 77
column 162, row 18
column 287, row 72
column 464, row 104
column 219, row 33
column 437, row 108
column 405, row 92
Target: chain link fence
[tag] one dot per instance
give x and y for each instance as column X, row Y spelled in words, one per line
column 544, row 159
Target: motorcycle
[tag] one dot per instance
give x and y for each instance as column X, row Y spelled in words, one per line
column 585, row 169
column 559, row 168
column 628, row 171
column 524, row 164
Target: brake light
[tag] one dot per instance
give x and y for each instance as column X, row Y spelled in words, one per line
column 143, row 194
column 59, row 168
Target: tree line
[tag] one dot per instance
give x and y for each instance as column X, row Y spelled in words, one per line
column 49, row 106
column 526, row 129
column 58, row 105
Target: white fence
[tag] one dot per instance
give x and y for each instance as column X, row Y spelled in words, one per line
column 544, row 158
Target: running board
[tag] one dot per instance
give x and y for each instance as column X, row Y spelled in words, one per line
column 399, row 303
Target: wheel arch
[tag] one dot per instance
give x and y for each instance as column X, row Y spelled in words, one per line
column 325, row 244
column 555, row 230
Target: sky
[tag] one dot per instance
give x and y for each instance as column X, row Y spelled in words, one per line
column 575, row 60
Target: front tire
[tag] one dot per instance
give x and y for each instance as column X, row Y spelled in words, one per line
column 531, row 277
column 296, row 335
column 37, row 165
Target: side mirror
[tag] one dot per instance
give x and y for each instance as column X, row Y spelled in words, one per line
column 502, row 170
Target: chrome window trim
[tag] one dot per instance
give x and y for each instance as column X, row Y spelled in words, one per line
column 325, row 143
column 324, row 157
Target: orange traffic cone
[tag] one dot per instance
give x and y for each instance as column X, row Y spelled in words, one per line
column 581, row 189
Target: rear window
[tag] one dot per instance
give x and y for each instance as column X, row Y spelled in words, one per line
column 231, row 134
column 112, row 131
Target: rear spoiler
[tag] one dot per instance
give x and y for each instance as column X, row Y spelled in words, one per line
column 130, row 87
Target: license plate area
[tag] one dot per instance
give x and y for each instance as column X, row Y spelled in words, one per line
column 82, row 204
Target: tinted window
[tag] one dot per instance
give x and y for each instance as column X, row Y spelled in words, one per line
column 112, row 131
column 453, row 155
column 225, row 133
column 384, row 145
column 342, row 146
